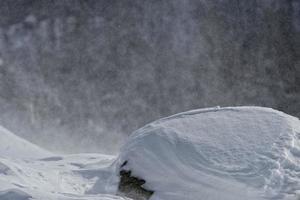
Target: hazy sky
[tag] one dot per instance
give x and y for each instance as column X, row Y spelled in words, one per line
column 82, row 75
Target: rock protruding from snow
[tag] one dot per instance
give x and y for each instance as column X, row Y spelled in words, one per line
column 219, row 153
column 133, row 187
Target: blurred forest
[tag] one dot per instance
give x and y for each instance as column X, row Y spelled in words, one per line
column 82, row 75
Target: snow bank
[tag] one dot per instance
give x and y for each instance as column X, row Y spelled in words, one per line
column 28, row 172
column 217, row 153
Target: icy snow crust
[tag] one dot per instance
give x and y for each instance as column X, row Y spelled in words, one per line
column 27, row 172
column 229, row 153
column 210, row 154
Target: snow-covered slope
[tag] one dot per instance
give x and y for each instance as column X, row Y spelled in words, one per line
column 12, row 146
column 229, row 153
column 28, row 172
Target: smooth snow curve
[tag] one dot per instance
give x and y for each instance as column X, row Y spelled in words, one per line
column 12, row 146
column 229, row 153
column 28, row 172
column 218, row 153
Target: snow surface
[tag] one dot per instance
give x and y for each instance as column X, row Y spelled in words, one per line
column 12, row 146
column 229, row 153
column 29, row 172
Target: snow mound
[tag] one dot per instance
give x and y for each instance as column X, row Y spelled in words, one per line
column 228, row 153
column 218, row 153
column 28, row 172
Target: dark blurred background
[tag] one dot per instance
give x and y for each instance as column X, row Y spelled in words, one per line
column 81, row 75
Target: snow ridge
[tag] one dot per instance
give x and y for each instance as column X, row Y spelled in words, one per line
column 233, row 152
column 28, row 172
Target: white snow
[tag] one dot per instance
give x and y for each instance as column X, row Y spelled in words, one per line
column 229, row 153
column 12, row 146
column 219, row 153
column 30, row 172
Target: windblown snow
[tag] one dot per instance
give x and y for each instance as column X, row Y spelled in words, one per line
column 28, row 172
column 228, row 153
column 218, row 153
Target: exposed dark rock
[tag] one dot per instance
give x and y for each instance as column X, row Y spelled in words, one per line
column 132, row 187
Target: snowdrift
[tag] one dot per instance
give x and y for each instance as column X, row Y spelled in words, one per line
column 229, row 153
column 28, row 172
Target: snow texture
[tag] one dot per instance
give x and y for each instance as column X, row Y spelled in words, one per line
column 218, row 153
column 228, row 153
column 28, row 172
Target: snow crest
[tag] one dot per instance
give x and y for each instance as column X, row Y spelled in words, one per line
column 218, row 153
column 232, row 153
column 28, row 172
